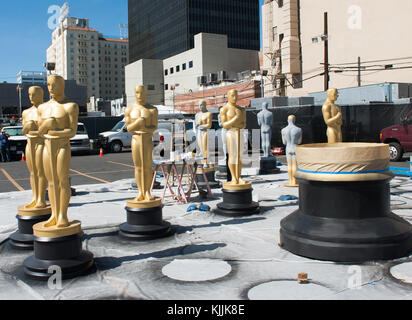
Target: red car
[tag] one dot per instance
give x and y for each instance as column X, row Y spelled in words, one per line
column 399, row 137
column 278, row 151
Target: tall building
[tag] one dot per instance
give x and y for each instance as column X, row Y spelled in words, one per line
column 159, row 29
column 363, row 47
column 85, row 55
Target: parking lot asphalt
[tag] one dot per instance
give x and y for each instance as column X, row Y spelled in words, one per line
column 85, row 169
column 92, row 169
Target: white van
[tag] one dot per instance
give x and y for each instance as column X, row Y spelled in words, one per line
column 116, row 139
column 18, row 141
column 81, row 141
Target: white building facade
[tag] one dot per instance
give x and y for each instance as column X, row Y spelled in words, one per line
column 83, row 54
column 209, row 62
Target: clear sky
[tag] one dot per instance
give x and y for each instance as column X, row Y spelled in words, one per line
column 25, row 34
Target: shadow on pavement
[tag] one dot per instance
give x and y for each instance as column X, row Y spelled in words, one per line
column 108, row 263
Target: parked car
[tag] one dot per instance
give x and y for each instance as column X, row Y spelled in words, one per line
column 118, row 138
column 18, row 141
column 399, row 137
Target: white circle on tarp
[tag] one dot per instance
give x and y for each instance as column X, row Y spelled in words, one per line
column 402, row 272
column 288, row 290
column 196, row 270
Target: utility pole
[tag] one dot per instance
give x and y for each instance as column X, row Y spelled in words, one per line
column 173, row 99
column 262, row 86
column 326, row 52
column 359, row 72
column 19, row 87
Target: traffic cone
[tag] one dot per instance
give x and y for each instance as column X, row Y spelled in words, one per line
column 101, row 153
column 23, row 157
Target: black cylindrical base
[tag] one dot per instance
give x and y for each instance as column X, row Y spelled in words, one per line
column 23, row 239
column 346, row 222
column 237, row 203
column 210, row 175
column 268, row 166
column 65, row 253
column 145, row 224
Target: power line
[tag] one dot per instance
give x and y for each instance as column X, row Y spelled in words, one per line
column 373, row 61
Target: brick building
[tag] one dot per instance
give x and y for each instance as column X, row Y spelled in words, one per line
column 217, row 97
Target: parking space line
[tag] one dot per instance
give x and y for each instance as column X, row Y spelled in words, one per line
column 121, row 164
column 90, row 177
column 19, row 187
column 102, row 172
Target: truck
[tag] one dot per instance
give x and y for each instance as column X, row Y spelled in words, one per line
column 398, row 137
column 18, row 141
column 118, row 138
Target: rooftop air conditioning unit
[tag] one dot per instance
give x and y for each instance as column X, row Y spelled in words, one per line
column 201, row 80
column 222, row 75
column 212, row 78
column 246, row 74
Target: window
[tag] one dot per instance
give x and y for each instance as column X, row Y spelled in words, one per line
column 166, row 87
column 191, row 64
column 166, row 72
column 275, row 33
column 150, row 87
column 184, row 66
column 177, row 68
column 409, row 120
column 171, row 71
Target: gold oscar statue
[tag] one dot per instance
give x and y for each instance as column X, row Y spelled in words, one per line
column 58, row 241
column 233, row 120
column 203, row 125
column 142, row 121
column 332, row 115
column 34, row 152
column 37, row 210
column 237, row 194
column 144, row 213
column 58, row 120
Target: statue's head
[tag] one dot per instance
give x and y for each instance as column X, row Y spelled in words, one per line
column 141, row 94
column 332, row 94
column 202, row 106
column 292, row 119
column 36, row 95
column 265, row 106
column 232, row 96
column 55, row 84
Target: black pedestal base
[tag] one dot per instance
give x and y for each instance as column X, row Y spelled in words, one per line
column 65, row 253
column 268, row 166
column 145, row 224
column 210, row 175
column 346, row 222
column 23, row 239
column 237, row 203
